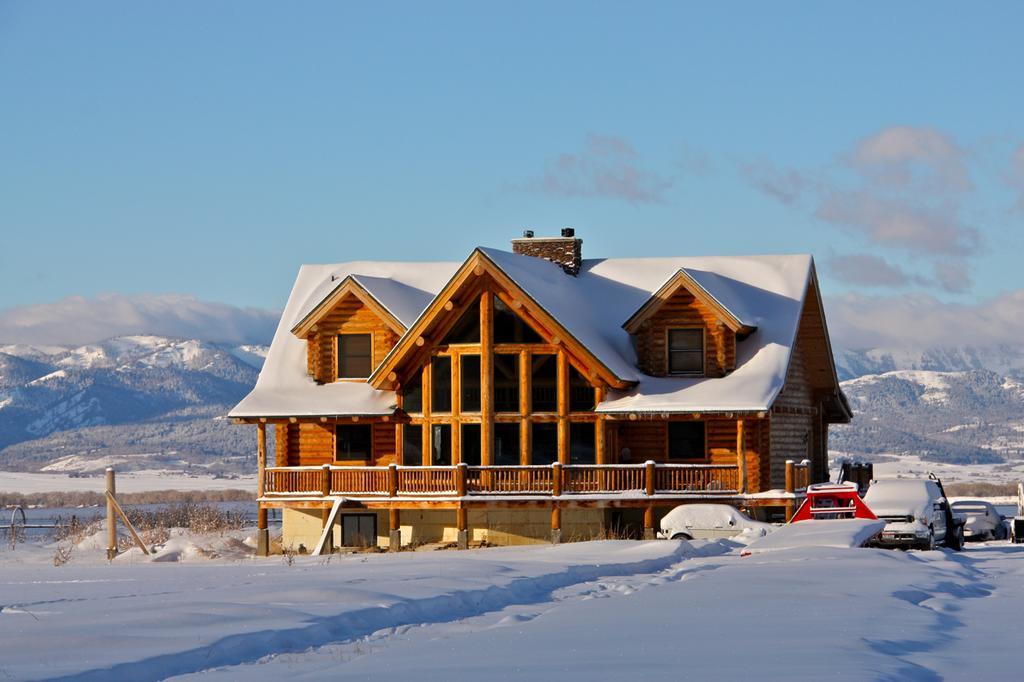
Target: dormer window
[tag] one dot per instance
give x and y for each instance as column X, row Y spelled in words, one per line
column 686, row 352
column 355, row 356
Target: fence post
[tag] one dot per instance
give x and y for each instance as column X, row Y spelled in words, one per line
column 111, row 519
column 461, row 473
column 392, row 480
column 649, row 468
column 556, row 479
column 806, row 477
column 790, row 487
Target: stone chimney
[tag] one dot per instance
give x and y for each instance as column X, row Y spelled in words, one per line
column 566, row 251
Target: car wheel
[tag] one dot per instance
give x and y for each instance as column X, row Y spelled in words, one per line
column 681, row 536
column 929, row 543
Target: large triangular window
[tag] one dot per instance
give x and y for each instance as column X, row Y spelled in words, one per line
column 510, row 328
column 467, row 329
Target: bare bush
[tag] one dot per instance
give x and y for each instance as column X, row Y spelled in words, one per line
column 62, row 554
column 196, row 518
column 97, row 499
column 981, row 489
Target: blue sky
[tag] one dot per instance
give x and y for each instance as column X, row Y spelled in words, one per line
column 208, row 149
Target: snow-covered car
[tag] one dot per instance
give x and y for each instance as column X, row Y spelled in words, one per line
column 693, row 521
column 984, row 522
column 834, row 533
column 916, row 514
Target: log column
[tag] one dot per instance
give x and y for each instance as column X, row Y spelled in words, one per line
column 426, row 389
column 556, row 511
column 461, row 522
column 790, row 487
column 741, row 456
column 563, row 407
column 456, row 398
column 262, row 532
column 486, row 379
column 649, row 488
column 525, row 432
column 325, row 512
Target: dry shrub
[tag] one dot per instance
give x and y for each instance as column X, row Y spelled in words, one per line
column 981, row 489
column 62, row 555
column 200, row 519
column 96, row 499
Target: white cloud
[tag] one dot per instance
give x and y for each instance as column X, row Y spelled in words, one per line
column 922, row 321
column 78, row 320
column 608, row 166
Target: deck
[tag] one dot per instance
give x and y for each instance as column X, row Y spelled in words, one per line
column 588, row 484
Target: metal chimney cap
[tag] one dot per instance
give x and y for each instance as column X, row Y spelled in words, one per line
column 568, row 232
column 527, row 234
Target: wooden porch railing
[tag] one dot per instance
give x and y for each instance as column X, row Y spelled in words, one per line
column 576, row 479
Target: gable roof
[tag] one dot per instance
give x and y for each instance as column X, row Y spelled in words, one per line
column 540, row 285
column 708, row 288
column 766, row 292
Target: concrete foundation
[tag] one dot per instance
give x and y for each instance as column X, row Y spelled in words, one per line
column 423, row 526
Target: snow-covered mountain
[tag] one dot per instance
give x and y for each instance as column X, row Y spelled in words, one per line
column 151, row 395
column 958, row 405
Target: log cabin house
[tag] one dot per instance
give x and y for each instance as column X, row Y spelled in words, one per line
column 534, row 395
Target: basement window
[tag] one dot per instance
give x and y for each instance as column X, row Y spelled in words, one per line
column 355, row 356
column 686, row 352
column 686, row 440
column 353, row 442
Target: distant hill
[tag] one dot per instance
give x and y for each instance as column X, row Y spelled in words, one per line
column 959, row 405
column 147, row 401
column 151, row 402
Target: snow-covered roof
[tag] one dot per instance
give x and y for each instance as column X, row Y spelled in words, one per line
column 764, row 292
column 284, row 389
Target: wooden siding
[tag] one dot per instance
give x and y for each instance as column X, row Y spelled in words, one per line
column 792, row 418
column 648, row 440
column 350, row 315
column 312, row 443
column 682, row 310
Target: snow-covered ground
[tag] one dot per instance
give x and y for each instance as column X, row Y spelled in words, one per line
column 588, row 611
column 911, row 465
column 127, row 482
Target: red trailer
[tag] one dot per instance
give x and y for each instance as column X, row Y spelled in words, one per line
column 832, row 501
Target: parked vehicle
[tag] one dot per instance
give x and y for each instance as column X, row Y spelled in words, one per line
column 693, row 521
column 983, row 520
column 916, row 512
column 831, row 515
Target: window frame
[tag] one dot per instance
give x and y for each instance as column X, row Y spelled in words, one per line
column 703, row 351
column 337, row 355
column 360, row 460
column 705, row 457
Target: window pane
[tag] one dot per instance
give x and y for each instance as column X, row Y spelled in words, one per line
column 467, row 329
column 353, row 441
column 506, row 444
column 581, row 444
column 412, row 445
column 413, row 402
column 685, row 362
column 506, row 383
column 686, row 339
column 545, row 383
column 686, row 440
column 581, row 393
column 470, row 444
column 470, row 383
column 509, row 327
column 441, row 445
column 441, row 394
column 355, row 353
column 545, row 443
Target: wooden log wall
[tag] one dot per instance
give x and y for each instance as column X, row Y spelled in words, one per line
column 648, row 440
column 311, row 443
column 350, row 315
column 792, row 419
column 682, row 310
